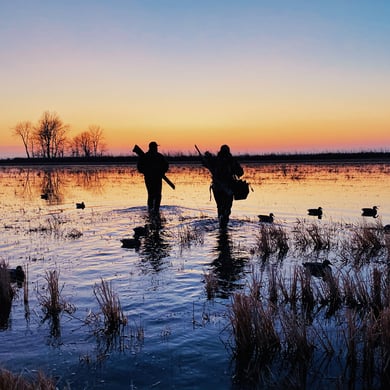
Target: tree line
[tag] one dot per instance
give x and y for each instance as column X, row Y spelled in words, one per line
column 49, row 139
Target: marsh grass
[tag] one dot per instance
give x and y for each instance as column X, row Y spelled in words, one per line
column 53, row 303
column 287, row 334
column 307, row 295
column 314, row 236
column 299, row 345
column 11, row 381
column 255, row 338
column 113, row 316
column 365, row 242
column 188, row 235
column 331, row 294
column 271, row 239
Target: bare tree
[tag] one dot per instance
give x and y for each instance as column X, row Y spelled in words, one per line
column 75, row 146
column 25, row 131
column 50, row 134
column 96, row 139
column 86, row 143
column 81, row 145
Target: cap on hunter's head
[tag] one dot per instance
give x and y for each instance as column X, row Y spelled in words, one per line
column 153, row 145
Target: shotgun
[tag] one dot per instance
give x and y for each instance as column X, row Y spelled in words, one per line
column 140, row 152
column 204, row 160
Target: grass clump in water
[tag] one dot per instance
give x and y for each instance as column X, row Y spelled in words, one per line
column 114, row 318
column 11, row 381
column 53, row 303
column 270, row 240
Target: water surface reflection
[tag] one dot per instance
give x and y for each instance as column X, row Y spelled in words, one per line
column 155, row 245
column 228, row 266
column 161, row 282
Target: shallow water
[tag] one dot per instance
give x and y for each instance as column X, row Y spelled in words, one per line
column 175, row 337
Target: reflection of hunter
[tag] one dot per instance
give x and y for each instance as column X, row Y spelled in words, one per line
column 224, row 168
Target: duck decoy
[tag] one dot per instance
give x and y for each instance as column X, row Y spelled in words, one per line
column 370, row 212
column 80, row 205
column 318, row 269
column 140, row 231
column 386, row 228
column 45, row 196
column 266, row 218
column 316, row 212
column 16, row 275
column 133, row 243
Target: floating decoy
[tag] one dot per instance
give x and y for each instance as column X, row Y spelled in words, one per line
column 16, row 275
column 266, row 218
column 45, row 196
column 318, row 269
column 133, row 243
column 140, row 231
column 370, row 212
column 80, row 205
column 316, row 212
column 386, row 228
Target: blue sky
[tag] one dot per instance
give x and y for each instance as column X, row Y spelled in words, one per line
column 287, row 70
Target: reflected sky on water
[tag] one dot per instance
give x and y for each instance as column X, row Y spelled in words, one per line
column 161, row 283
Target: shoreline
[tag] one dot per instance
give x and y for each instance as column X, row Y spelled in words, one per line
column 318, row 158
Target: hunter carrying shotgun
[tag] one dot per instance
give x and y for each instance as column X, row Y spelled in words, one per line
column 153, row 165
column 223, row 168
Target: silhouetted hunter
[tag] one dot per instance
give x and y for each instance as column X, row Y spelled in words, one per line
column 153, row 165
column 224, row 169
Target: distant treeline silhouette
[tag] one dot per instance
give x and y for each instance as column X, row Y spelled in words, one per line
column 336, row 157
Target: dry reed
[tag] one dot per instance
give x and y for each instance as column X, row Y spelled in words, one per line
column 365, row 242
column 307, row 295
column 314, row 236
column 53, row 303
column 188, row 235
column 114, row 318
column 10, row 381
column 384, row 324
column 332, row 296
column 256, row 340
column 271, row 239
column 299, row 347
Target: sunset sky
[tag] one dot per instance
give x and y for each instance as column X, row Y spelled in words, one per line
column 261, row 76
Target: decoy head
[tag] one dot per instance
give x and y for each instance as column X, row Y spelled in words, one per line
column 326, row 263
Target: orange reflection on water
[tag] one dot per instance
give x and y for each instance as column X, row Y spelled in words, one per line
column 287, row 190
